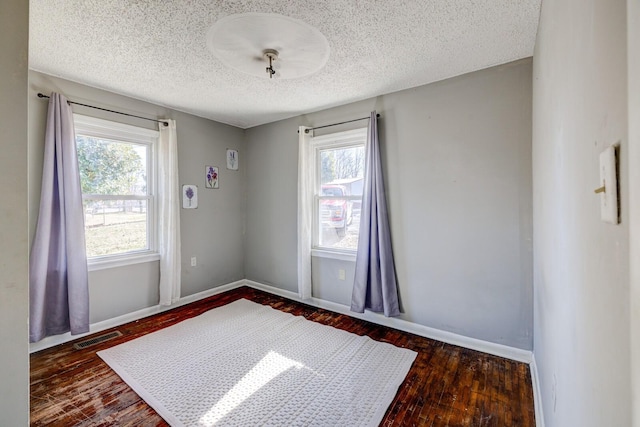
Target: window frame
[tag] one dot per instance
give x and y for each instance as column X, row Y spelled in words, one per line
column 346, row 139
column 120, row 132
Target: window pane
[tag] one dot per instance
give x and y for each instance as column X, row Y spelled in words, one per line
column 111, row 167
column 339, row 224
column 341, row 174
column 115, row 226
column 341, row 164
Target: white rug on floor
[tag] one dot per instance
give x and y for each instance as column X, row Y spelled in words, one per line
column 245, row 364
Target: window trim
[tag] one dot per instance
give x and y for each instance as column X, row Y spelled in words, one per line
column 121, row 260
column 107, row 129
column 355, row 137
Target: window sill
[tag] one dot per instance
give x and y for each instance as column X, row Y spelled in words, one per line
column 121, row 261
column 326, row 253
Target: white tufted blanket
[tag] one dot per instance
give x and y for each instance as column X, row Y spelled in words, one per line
column 245, row 364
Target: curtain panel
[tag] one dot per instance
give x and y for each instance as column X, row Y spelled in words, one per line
column 305, row 203
column 169, row 214
column 58, row 276
column 374, row 286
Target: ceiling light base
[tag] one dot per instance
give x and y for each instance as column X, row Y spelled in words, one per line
column 270, row 54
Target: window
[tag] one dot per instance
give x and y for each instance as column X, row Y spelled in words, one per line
column 117, row 166
column 338, row 161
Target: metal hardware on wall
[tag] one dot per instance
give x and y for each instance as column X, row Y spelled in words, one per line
column 609, row 189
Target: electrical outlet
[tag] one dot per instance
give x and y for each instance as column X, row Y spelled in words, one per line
column 194, row 261
column 341, row 274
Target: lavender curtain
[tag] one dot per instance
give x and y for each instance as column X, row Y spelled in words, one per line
column 374, row 286
column 58, row 282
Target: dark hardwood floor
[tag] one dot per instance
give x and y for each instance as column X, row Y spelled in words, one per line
column 446, row 386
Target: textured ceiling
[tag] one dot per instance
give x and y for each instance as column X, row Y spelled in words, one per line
column 157, row 50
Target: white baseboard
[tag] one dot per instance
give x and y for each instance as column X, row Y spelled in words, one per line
column 537, row 392
column 403, row 325
column 512, row 353
column 130, row 317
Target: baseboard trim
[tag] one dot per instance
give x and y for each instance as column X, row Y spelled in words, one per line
column 131, row 317
column 403, row 325
column 537, row 392
column 507, row 352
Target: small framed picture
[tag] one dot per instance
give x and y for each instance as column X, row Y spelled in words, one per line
column 211, row 177
column 189, row 196
column 232, row 159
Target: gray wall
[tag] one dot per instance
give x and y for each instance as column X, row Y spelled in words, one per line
column 457, row 158
column 581, row 265
column 14, row 360
column 633, row 49
column 212, row 233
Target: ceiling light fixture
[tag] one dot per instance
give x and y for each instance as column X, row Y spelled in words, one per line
column 270, row 55
column 292, row 48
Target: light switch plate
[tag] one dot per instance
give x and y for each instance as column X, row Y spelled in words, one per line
column 608, row 179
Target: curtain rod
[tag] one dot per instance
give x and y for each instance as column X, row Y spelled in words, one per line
column 336, row 124
column 110, row 111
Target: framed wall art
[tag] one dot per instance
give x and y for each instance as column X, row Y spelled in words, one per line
column 189, row 196
column 232, row 159
column 211, row 177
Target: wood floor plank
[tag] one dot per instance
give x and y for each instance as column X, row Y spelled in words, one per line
column 446, row 386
